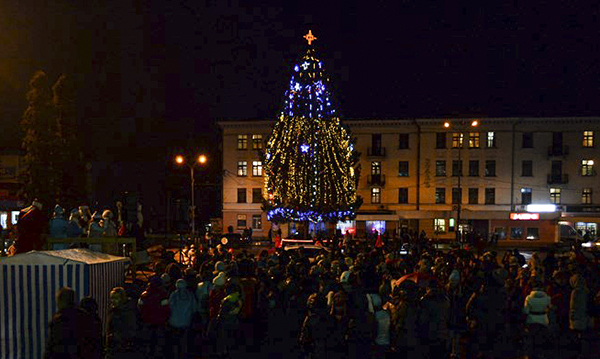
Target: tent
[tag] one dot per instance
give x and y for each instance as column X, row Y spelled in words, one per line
column 29, row 282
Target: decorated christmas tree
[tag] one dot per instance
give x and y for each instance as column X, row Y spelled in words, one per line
column 311, row 170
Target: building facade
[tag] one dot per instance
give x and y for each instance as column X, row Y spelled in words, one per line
column 439, row 175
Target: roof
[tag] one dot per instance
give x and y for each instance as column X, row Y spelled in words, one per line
column 65, row 256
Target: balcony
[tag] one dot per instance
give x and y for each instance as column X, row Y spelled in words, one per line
column 376, row 151
column 376, row 180
column 558, row 179
column 558, row 150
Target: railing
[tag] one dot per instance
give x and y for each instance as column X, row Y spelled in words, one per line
column 376, row 180
column 558, row 150
column 558, row 179
column 376, row 151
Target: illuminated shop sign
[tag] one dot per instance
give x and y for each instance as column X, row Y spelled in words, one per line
column 524, row 216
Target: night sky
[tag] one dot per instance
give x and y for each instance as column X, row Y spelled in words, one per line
column 157, row 75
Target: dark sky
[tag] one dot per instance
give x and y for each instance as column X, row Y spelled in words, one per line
column 178, row 66
column 156, row 75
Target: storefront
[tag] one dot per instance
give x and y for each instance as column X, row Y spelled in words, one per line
column 525, row 226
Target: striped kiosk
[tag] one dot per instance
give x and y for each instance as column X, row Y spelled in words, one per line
column 29, row 282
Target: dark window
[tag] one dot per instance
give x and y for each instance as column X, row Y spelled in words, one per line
column 456, row 195
column 457, row 168
column 473, row 195
column 241, row 221
column 490, row 168
column 525, row 195
column 490, row 196
column 473, row 168
column 557, row 140
column 403, row 168
column 527, row 140
column 376, row 142
column 241, row 197
column 402, row 195
column 527, row 168
column 256, row 195
column 440, row 168
column 440, row 140
column 403, row 141
column 516, row 233
column 440, row 195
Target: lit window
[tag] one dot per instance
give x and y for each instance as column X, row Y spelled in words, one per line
column 376, row 195
column 491, row 140
column 457, row 140
column 256, row 221
column 241, row 221
column 555, row 195
column 375, row 168
column 586, row 196
column 256, row 168
column 242, row 168
column 257, row 142
column 474, row 140
column 588, row 138
column 242, row 142
column 439, row 225
column 587, row 167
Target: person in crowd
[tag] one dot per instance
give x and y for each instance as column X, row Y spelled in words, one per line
column 122, row 326
column 58, row 227
column 72, row 333
column 228, row 319
column 579, row 318
column 536, row 307
column 183, row 306
column 74, row 229
column 154, row 309
column 314, row 331
column 109, row 229
column 31, row 226
column 85, row 215
column 90, row 306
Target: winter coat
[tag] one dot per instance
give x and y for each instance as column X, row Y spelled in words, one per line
column 74, row 230
column 486, row 308
column 536, row 307
column 578, row 308
column 122, row 329
column 433, row 318
column 30, row 226
column 382, row 320
column 314, row 333
column 249, row 288
column 215, row 296
column 183, row 305
column 58, row 227
column 154, row 306
column 405, row 318
column 71, row 336
column 94, row 230
column 202, row 292
column 109, row 229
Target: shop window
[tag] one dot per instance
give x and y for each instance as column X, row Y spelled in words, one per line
column 257, row 142
column 242, row 142
column 440, row 140
column 440, row 168
column 516, row 233
column 346, row 227
column 491, row 140
column 403, row 141
column 451, row 225
column 241, row 221
column 439, row 225
column 588, row 138
column 14, row 217
column 457, row 140
column 256, row 221
column 3, row 220
column 375, row 226
column 533, row 234
column 474, row 140
column 440, row 195
column 586, row 196
column 500, row 232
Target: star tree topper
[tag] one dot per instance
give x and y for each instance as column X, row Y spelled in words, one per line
column 309, row 37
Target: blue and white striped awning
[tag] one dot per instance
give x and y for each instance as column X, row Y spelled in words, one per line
column 29, row 282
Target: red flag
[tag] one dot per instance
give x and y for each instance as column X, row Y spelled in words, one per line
column 379, row 242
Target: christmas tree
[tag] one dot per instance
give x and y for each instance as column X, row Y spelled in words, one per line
column 311, row 171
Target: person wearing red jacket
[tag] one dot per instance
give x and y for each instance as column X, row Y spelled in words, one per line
column 154, row 313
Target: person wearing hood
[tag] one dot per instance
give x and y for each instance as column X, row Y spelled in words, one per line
column 95, row 231
column 183, row 305
column 123, row 325
column 31, row 227
column 579, row 319
column 58, row 227
column 536, row 307
column 74, row 229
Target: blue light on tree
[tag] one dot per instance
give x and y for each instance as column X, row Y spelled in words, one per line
column 304, row 148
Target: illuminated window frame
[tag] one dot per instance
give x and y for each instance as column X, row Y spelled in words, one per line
column 257, row 142
column 586, row 196
column 588, row 139
column 474, row 140
column 491, row 140
column 242, row 142
column 242, row 169
column 587, row 168
column 457, row 139
column 439, row 225
column 555, row 195
column 257, row 169
column 375, row 195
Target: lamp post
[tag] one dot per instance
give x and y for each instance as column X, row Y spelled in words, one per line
column 181, row 160
column 461, row 126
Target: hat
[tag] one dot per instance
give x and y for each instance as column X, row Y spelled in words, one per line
column 181, row 284
column 219, row 267
column 107, row 214
column 345, row 277
column 220, row 279
column 58, row 210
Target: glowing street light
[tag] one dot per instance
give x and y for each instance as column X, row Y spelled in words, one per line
column 202, row 159
column 180, row 160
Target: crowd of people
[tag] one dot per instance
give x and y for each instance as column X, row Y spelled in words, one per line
column 353, row 301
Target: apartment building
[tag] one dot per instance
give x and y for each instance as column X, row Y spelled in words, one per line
column 422, row 174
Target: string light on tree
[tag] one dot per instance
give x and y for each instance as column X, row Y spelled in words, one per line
column 322, row 186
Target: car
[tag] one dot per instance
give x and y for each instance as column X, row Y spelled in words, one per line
column 310, row 250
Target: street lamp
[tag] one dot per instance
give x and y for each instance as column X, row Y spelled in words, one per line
column 181, row 160
column 461, row 126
